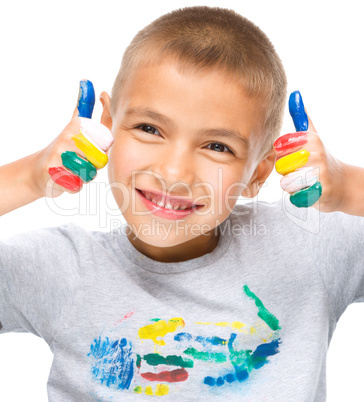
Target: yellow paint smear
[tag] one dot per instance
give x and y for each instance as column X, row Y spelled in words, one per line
column 235, row 324
column 159, row 329
column 162, row 389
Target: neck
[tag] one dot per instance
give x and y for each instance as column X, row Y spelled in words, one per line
column 194, row 248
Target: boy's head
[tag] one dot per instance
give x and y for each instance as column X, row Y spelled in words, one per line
column 212, row 74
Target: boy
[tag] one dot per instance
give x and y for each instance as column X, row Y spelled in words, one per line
column 186, row 306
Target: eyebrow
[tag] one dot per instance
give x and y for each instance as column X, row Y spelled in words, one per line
column 215, row 132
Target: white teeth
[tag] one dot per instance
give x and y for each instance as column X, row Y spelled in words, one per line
column 167, row 206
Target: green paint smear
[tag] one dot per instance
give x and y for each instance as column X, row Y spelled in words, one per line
column 155, row 319
column 154, row 359
column 244, row 360
column 240, row 357
column 138, row 389
column 139, row 361
column 205, row 356
column 306, row 197
column 263, row 313
column 78, row 166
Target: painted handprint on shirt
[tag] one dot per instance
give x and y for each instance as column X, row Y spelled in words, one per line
column 212, row 361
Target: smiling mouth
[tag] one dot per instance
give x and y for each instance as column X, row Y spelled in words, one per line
column 167, row 202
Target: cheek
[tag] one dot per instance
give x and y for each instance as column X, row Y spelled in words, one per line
column 123, row 160
column 234, row 186
column 227, row 184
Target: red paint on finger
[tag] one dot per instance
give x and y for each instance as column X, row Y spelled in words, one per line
column 289, row 143
column 66, row 179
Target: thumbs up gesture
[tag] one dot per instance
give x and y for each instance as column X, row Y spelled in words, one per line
column 311, row 175
column 75, row 155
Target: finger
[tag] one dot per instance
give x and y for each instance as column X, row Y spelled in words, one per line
column 86, row 100
column 299, row 179
column 97, row 133
column 298, row 112
column 307, row 197
column 289, row 143
column 94, row 140
column 65, row 179
column 291, row 162
column 78, row 166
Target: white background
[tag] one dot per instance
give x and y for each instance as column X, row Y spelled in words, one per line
column 46, row 47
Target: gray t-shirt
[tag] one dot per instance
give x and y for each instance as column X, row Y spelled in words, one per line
column 250, row 321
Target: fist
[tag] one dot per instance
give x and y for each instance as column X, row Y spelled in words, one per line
column 74, row 157
column 311, row 175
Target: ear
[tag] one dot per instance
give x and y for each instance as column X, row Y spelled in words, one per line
column 260, row 175
column 106, row 118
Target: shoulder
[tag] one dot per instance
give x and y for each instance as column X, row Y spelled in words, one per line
column 282, row 219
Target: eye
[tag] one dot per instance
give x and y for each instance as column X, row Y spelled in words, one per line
column 218, row 147
column 147, row 129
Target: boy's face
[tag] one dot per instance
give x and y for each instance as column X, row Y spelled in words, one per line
column 196, row 136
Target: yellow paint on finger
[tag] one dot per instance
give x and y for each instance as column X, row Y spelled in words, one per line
column 291, row 162
column 93, row 155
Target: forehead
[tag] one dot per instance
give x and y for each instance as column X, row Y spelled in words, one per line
column 195, row 98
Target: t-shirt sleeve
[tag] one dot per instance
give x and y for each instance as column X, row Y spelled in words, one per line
column 338, row 251
column 39, row 276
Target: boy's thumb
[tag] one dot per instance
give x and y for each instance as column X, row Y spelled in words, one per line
column 86, row 100
column 298, row 113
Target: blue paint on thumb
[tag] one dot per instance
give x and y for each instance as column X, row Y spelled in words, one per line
column 86, row 99
column 297, row 111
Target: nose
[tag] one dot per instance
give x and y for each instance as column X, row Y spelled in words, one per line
column 177, row 164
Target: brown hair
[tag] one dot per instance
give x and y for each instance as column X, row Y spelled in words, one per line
column 204, row 37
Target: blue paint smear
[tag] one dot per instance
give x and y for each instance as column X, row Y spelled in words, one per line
column 113, row 364
column 242, row 375
column 267, row 349
column 297, row 111
column 182, row 336
column 209, row 381
column 86, row 99
column 213, row 340
column 244, row 361
column 231, row 340
column 205, row 341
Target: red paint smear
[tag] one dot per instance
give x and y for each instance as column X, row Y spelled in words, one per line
column 167, row 376
column 66, row 179
column 289, row 143
column 127, row 315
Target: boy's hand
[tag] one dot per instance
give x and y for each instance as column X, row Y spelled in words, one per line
column 75, row 155
column 309, row 171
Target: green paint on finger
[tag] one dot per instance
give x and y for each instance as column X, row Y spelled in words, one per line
column 306, row 197
column 78, row 166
